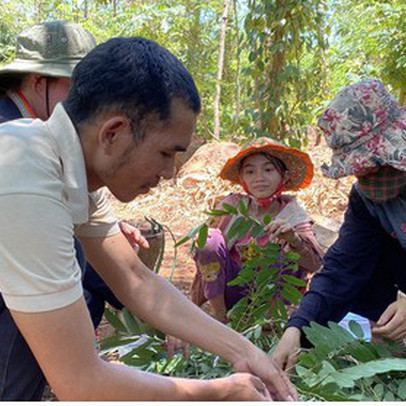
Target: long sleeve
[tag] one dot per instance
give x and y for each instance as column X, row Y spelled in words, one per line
column 348, row 266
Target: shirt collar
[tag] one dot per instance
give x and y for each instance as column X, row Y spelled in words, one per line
column 73, row 163
column 21, row 103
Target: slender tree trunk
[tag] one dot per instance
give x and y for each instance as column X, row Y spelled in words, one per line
column 238, row 56
column 220, row 65
column 85, row 12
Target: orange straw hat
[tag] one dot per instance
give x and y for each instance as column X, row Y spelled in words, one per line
column 298, row 163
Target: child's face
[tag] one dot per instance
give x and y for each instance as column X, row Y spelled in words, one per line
column 260, row 176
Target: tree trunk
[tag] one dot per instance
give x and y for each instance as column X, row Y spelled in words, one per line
column 220, row 65
column 238, row 56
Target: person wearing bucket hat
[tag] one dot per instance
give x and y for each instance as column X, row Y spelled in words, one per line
column 131, row 107
column 39, row 76
column 363, row 271
column 265, row 169
column 31, row 86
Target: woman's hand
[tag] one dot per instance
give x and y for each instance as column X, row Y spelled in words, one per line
column 392, row 323
column 282, row 230
column 288, row 349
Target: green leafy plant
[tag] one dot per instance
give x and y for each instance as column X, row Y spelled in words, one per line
column 341, row 366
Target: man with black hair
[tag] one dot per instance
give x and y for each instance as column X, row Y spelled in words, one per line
column 30, row 87
column 132, row 106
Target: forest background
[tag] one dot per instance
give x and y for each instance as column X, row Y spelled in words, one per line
column 261, row 66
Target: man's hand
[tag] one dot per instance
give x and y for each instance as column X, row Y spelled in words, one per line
column 241, row 387
column 173, row 344
column 287, row 351
column 276, row 381
column 283, row 230
column 392, row 323
column 133, row 235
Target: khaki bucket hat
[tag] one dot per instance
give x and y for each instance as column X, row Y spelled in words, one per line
column 50, row 49
column 298, row 163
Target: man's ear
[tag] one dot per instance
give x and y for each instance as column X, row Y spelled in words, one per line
column 114, row 133
column 38, row 83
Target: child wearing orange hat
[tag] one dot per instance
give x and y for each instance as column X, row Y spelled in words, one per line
column 265, row 169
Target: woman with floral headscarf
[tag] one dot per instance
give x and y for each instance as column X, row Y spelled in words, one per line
column 265, row 169
column 364, row 271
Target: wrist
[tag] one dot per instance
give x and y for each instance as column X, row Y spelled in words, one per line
column 207, row 390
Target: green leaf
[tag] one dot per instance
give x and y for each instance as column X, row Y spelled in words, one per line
column 402, row 390
column 294, row 281
column 216, row 213
column 132, row 324
column 202, row 237
column 242, row 208
column 182, row 241
column 346, row 378
column 235, row 228
column 290, row 293
column 292, row 256
column 244, row 228
column 267, row 219
column 114, row 320
column 356, row 329
column 257, row 231
column 116, row 341
column 242, row 278
column 190, row 235
column 230, row 209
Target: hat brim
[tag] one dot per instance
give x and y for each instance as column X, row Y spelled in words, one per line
column 53, row 69
column 298, row 164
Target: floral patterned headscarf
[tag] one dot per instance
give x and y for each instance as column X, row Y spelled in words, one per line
column 366, row 129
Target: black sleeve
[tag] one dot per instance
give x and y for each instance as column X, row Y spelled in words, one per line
column 347, row 267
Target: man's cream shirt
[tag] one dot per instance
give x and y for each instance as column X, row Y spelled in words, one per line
column 43, row 202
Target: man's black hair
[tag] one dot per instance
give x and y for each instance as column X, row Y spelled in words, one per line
column 134, row 76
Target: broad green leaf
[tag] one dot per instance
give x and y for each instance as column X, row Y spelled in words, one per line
column 345, row 378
